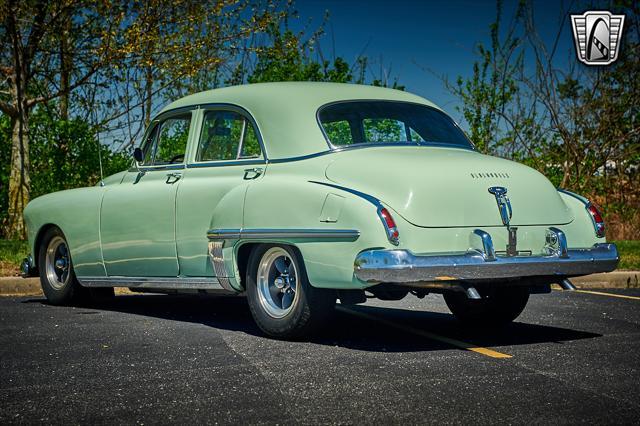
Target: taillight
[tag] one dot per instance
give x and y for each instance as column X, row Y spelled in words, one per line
column 596, row 217
column 389, row 225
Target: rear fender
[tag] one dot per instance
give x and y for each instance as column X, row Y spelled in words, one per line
column 281, row 203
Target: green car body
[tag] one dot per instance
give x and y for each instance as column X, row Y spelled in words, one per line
column 192, row 224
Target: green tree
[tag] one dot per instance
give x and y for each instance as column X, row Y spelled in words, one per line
column 579, row 125
column 104, row 60
column 288, row 57
column 51, row 169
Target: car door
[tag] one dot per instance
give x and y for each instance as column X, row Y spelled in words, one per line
column 227, row 157
column 137, row 220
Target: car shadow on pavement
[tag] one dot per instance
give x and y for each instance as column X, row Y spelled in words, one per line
column 406, row 322
column 346, row 329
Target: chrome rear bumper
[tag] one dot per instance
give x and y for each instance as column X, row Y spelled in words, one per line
column 404, row 267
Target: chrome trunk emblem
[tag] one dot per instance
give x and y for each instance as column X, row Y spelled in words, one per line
column 504, row 205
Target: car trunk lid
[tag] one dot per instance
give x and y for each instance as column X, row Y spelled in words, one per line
column 449, row 187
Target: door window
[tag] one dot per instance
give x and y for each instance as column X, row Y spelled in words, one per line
column 167, row 142
column 227, row 135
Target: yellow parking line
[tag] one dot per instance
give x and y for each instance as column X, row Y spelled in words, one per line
column 452, row 342
column 600, row 293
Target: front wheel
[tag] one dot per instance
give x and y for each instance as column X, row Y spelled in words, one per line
column 57, row 277
column 498, row 306
column 282, row 302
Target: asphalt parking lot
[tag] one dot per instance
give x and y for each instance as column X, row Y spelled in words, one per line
column 570, row 358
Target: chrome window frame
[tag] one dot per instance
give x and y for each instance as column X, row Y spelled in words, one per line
column 158, row 120
column 203, row 110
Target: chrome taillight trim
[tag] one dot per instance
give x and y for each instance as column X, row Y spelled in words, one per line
column 598, row 227
column 393, row 235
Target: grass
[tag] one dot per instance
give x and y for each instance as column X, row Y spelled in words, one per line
column 12, row 253
column 629, row 255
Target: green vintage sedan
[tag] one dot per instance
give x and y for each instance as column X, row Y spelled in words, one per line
column 300, row 194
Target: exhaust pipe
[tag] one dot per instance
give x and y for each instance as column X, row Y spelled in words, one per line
column 566, row 284
column 472, row 293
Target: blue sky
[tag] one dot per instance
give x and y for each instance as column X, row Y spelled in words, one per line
column 412, row 35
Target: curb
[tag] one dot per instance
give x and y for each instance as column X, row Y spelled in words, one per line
column 17, row 286
column 615, row 279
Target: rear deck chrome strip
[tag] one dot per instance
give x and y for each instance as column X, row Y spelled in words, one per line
column 172, row 283
column 258, row 234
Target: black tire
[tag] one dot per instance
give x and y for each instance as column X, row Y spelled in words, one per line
column 310, row 309
column 64, row 289
column 498, row 307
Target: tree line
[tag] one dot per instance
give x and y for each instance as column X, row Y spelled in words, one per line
column 82, row 74
column 77, row 70
column 530, row 101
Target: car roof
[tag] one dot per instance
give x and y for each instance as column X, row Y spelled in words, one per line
column 285, row 112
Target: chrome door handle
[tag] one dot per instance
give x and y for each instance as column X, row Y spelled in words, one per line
column 252, row 173
column 173, row 177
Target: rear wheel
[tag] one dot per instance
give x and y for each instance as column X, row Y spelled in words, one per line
column 57, row 277
column 282, row 301
column 498, row 306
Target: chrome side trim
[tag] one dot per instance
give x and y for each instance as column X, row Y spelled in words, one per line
column 404, row 267
column 217, row 262
column 369, row 198
column 578, row 197
column 173, row 283
column 373, row 200
column 258, row 234
column 299, row 158
column 218, row 238
column 240, row 162
column 160, row 167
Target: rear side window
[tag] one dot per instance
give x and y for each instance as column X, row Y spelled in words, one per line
column 363, row 122
column 227, row 135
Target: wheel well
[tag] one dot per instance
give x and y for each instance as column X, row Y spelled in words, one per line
column 38, row 242
column 242, row 260
column 244, row 253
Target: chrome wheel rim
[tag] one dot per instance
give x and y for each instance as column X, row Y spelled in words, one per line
column 277, row 282
column 57, row 263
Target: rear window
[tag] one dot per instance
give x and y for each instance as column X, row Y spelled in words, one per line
column 371, row 122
